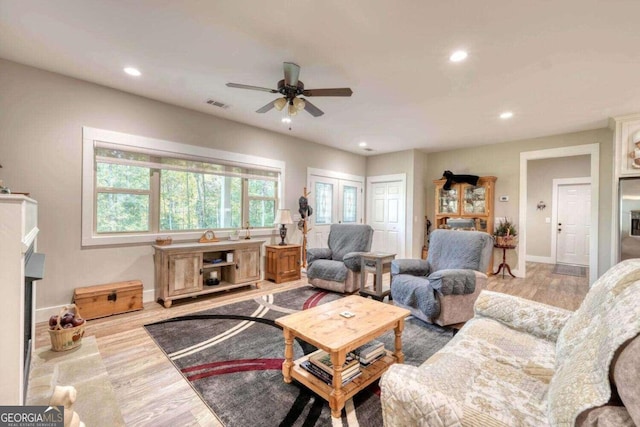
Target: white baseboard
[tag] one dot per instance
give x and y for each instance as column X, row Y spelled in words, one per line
column 149, row 295
column 540, row 259
column 43, row 314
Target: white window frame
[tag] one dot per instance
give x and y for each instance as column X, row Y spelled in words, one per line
column 90, row 136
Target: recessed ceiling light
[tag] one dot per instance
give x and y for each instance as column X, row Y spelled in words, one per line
column 362, row 144
column 132, row 71
column 506, row 115
column 458, row 55
column 286, row 120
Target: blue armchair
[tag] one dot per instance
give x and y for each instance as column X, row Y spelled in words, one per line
column 443, row 288
column 337, row 268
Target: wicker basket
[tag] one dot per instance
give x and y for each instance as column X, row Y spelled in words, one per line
column 66, row 339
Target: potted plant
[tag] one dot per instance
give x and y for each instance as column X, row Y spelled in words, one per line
column 506, row 233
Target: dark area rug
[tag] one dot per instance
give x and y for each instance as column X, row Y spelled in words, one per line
column 570, row 270
column 232, row 356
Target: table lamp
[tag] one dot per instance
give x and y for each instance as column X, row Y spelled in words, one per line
column 283, row 216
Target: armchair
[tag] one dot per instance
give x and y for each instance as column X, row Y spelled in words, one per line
column 337, row 268
column 443, row 288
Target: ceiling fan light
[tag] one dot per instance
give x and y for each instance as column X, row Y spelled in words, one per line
column 280, row 103
column 292, row 110
column 299, row 103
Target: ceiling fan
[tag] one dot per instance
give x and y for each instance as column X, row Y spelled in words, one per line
column 290, row 87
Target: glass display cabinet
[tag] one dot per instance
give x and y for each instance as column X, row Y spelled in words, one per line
column 465, row 206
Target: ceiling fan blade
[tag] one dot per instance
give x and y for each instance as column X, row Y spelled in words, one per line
column 343, row 91
column 241, row 86
column 291, row 73
column 312, row 109
column 267, row 107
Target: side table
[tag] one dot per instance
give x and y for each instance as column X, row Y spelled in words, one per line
column 504, row 266
column 282, row 263
column 376, row 263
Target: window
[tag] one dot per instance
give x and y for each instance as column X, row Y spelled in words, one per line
column 138, row 193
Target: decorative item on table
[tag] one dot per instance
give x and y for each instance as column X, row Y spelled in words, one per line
column 66, row 329
column 164, row 241
column 506, row 233
column 283, row 217
column 234, row 235
column 248, row 233
column 212, row 280
column 208, row 237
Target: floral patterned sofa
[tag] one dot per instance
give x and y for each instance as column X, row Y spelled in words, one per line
column 522, row 363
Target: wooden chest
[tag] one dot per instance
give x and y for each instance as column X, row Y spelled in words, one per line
column 106, row 300
column 282, row 263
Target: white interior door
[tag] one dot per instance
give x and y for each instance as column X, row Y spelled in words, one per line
column 334, row 200
column 573, row 225
column 386, row 216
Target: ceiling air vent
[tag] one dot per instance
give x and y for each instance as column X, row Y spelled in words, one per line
column 368, row 149
column 217, row 104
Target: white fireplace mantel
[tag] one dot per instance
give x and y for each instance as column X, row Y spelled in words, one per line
column 18, row 232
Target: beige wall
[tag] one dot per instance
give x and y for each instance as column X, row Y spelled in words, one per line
column 503, row 161
column 41, row 119
column 540, row 176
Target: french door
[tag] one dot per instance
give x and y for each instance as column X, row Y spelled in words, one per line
column 334, row 200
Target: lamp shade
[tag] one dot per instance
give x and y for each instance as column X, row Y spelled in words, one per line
column 283, row 216
column 299, row 103
column 280, row 103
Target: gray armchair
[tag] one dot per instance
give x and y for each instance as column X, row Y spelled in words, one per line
column 443, row 288
column 337, row 268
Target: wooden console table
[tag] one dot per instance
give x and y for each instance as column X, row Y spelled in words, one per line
column 504, row 266
column 180, row 269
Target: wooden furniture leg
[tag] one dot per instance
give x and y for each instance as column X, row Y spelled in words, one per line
column 504, row 266
column 337, row 396
column 287, row 365
column 398, row 354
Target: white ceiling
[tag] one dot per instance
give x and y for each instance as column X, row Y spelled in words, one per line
column 560, row 66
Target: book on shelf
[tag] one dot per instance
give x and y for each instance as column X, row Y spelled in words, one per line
column 375, row 355
column 326, row 377
column 322, row 360
column 374, row 359
column 369, row 352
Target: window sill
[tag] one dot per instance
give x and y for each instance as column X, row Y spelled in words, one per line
column 146, row 239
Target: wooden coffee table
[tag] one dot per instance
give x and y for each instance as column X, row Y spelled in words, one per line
column 325, row 328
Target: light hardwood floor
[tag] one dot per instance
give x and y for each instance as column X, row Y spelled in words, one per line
column 151, row 392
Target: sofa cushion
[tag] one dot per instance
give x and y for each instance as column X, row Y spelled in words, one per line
column 327, row 269
column 607, row 318
column 626, row 372
column 345, row 238
column 487, row 375
column 457, row 249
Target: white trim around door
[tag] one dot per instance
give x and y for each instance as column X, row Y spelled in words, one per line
column 577, row 150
